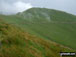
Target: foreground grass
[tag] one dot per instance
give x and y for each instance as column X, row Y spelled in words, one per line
column 16, row 43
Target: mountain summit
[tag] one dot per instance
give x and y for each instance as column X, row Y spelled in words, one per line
column 44, row 15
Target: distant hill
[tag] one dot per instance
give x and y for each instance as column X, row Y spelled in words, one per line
column 49, row 24
column 44, row 14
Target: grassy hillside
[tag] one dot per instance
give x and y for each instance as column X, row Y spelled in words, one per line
column 16, row 43
column 45, row 15
column 50, row 24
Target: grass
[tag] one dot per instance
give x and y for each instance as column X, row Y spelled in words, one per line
column 17, row 43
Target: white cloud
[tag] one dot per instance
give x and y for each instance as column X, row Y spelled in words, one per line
column 13, row 8
column 21, row 6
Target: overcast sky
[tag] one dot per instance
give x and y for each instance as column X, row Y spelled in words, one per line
column 15, row 6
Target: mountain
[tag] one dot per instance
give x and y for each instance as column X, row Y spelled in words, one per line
column 44, row 14
column 48, row 24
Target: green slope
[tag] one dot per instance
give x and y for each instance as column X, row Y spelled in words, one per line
column 50, row 24
column 16, row 43
column 45, row 15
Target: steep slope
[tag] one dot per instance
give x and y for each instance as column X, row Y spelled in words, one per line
column 16, row 43
column 50, row 24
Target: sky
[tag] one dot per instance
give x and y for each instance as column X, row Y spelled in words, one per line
column 15, row 6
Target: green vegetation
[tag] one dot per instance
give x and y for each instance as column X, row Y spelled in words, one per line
column 46, row 28
column 16, row 43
